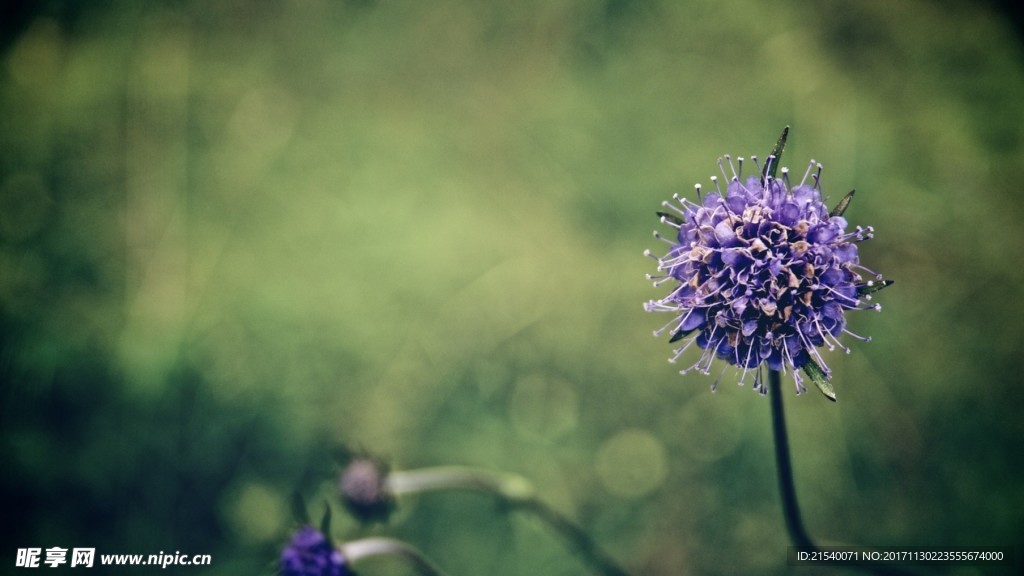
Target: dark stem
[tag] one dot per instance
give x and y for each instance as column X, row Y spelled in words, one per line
column 790, row 508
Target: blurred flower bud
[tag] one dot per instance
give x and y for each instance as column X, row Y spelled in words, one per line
column 363, row 489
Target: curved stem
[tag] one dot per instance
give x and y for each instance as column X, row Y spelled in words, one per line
column 357, row 550
column 574, row 536
column 513, row 491
column 508, row 487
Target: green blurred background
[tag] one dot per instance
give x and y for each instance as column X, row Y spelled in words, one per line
column 235, row 235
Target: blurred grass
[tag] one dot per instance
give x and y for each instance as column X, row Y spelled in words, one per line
column 234, row 235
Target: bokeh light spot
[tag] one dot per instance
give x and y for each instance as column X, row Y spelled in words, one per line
column 632, row 463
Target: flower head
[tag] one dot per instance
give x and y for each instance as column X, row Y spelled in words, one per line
column 762, row 273
column 310, row 554
column 363, row 488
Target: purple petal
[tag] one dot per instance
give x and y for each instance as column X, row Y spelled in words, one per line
column 725, row 234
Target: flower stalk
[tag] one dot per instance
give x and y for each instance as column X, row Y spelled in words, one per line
column 509, row 487
column 787, row 488
column 513, row 491
column 359, row 550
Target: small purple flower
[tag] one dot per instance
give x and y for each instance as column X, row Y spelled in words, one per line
column 762, row 274
column 311, row 554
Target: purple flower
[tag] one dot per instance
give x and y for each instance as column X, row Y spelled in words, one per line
column 762, row 274
column 311, row 554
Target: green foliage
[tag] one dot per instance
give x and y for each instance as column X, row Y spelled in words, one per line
column 774, row 158
column 820, row 379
